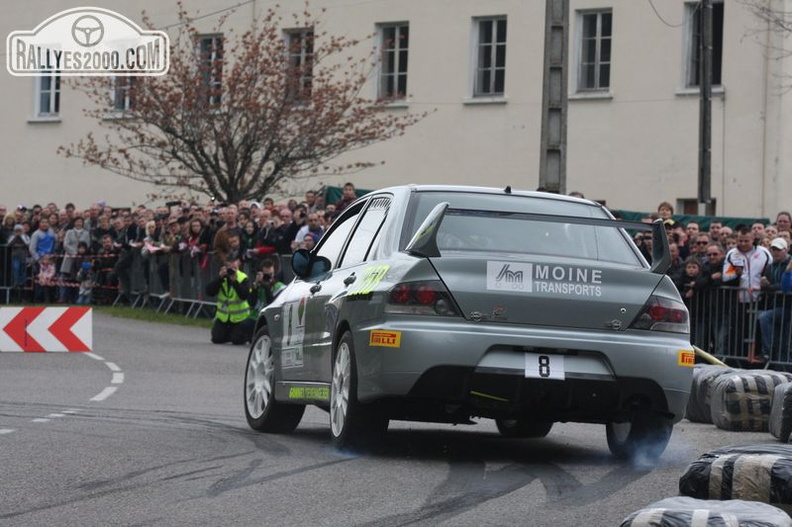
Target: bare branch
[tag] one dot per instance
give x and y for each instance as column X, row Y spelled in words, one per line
column 238, row 115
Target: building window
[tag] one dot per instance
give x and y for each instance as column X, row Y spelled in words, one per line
column 299, row 78
column 595, row 51
column 490, row 71
column 122, row 93
column 211, row 67
column 394, row 42
column 48, row 89
column 694, row 19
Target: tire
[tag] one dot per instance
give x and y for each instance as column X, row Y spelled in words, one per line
column 351, row 423
column 642, row 439
column 262, row 411
column 523, row 429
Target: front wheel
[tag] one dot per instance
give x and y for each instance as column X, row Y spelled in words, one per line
column 351, row 423
column 262, row 411
column 523, row 429
column 645, row 437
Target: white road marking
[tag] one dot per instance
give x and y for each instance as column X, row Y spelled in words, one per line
column 118, row 378
column 112, row 366
column 104, row 394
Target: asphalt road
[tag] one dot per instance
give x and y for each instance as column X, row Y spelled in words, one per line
column 149, row 429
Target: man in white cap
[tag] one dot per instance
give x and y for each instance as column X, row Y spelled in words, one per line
column 777, row 316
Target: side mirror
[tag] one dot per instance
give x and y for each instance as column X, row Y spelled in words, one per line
column 301, row 263
column 307, row 266
column 320, row 266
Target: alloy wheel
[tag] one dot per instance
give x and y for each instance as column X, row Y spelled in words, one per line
column 339, row 391
column 260, row 376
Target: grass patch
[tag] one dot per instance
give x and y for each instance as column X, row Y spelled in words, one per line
column 149, row 315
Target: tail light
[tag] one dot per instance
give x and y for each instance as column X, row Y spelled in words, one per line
column 421, row 298
column 663, row 314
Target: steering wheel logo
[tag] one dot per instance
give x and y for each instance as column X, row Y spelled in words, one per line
column 87, row 31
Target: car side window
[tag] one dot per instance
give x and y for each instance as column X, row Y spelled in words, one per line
column 332, row 243
column 367, row 230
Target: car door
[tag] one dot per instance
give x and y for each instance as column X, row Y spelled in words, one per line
column 306, row 311
column 349, row 273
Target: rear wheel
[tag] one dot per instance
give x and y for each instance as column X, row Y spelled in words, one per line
column 351, row 423
column 644, row 438
column 522, row 428
column 262, row 411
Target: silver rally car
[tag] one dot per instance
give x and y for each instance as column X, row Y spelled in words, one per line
column 443, row 303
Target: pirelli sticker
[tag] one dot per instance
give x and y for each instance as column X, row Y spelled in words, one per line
column 371, row 277
column 687, row 358
column 385, row 339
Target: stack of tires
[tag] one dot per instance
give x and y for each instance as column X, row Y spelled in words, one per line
column 739, row 400
column 682, row 511
column 743, row 486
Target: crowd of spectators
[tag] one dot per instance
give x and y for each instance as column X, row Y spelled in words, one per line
column 67, row 255
column 731, row 281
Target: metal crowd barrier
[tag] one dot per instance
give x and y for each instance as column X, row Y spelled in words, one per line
column 727, row 322
column 171, row 281
column 724, row 321
column 9, row 280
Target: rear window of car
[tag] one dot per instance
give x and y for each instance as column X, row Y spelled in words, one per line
column 485, row 223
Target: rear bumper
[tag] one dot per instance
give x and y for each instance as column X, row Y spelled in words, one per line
column 481, row 368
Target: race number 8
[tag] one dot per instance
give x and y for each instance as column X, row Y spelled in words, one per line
column 541, row 366
column 544, row 366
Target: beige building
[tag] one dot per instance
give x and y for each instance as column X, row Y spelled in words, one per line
column 632, row 116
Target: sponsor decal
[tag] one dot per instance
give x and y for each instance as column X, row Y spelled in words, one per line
column 386, row 339
column 509, row 276
column 88, row 41
column 372, row 276
column 687, row 358
column 309, row 392
column 293, row 333
column 541, row 278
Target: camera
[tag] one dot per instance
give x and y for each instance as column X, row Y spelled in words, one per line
column 267, row 277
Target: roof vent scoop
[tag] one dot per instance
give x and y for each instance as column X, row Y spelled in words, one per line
column 508, row 189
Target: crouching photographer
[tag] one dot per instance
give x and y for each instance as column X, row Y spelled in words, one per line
column 233, row 291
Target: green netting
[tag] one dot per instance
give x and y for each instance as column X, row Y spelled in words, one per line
column 703, row 221
column 333, row 194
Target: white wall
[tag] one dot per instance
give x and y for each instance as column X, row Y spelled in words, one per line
column 633, row 150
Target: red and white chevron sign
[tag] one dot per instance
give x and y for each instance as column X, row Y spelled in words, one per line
column 46, row 329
